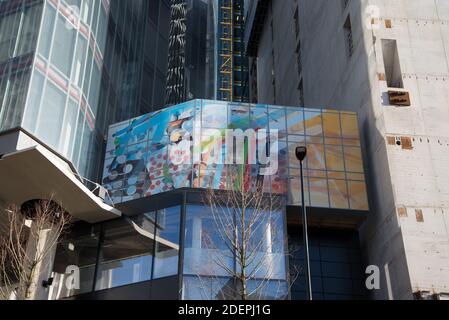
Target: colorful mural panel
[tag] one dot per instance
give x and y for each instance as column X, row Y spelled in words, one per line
column 184, row 146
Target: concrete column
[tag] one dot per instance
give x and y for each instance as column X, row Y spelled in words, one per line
column 38, row 245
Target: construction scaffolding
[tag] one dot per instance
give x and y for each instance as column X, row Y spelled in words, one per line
column 226, row 51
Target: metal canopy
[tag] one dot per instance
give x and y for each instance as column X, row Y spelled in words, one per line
column 37, row 173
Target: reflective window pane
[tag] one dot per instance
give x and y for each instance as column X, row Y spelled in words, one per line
column 51, row 115
column 68, row 129
column 9, row 26
column 315, row 157
column 318, row 192
column 205, row 288
column 295, row 122
column 331, row 125
column 265, row 246
column 75, row 258
column 63, row 46
column 215, row 115
column 338, row 193
column 47, row 30
column 80, row 61
column 353, row 159
column 295, row 191
column 34, row 99
column 29, row 30
column 277, row 120
column 126, row 252
column 86, row 11
column 204, row 244
column 3, row 83
column 213, row 243
column 239, row 116
column 14, row 88
column 259, row 116
column 102, row 29
column 334, row 158
column 357, row 195
column 268, row 290
column 314, row 124
column 349, row 125
column 167, row 242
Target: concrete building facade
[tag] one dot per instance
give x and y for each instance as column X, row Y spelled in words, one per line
column 388, row 61
column 273, row 43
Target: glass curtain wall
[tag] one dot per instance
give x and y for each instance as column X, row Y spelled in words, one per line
column 69, row 68
column 210, row 261
column 87, row 72
column 19, row 29
column 126, row 254
column 336, row 265
column 147, row 247
column 118, row 253
column 63, row 103
column 75, row 261
column 191, row 55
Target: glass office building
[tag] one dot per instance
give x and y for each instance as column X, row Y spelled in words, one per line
column 17, row 47
column 166, row 245
column 191, row 53
column 167, row 252
column 70, row 68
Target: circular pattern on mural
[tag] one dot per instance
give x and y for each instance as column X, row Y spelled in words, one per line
column 132, row 181
column 131, row 190
column 128, row 168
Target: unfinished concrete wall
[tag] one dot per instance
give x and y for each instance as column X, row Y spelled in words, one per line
column 406, row 148
column 420, row 172
column 278, row 76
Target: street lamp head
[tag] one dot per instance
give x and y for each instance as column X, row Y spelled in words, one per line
column 301, row 153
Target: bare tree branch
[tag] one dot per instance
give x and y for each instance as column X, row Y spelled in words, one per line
column 245, row 219
column 26, row 248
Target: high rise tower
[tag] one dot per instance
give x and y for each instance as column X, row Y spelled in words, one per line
column 206, row 51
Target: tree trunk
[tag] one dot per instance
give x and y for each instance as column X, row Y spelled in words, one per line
column 40, row 257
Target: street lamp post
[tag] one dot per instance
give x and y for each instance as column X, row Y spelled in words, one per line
column 301, row 153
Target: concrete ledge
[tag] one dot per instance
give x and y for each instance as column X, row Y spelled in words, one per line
column 36, row 172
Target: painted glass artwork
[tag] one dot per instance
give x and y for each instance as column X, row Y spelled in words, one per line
column 144, row 156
